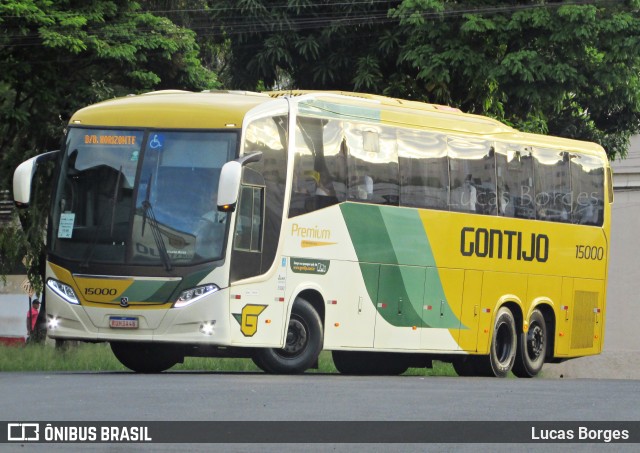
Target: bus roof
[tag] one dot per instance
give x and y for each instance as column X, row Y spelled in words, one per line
column 445, row 119
column 172, row 109
column 203, row 110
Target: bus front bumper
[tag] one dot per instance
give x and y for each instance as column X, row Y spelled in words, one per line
column 205, row 321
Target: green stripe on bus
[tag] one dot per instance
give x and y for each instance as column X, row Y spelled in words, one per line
column 368, row 233
column 393, row 248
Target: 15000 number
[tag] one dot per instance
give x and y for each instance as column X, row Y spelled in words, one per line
column 100, row 291
column 589, row 252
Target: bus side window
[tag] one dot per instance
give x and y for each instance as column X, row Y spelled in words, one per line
column 248, row 234
column 372, row 164
column 319, row 168
column 473, row 175
column 553, row 185
column 514, row 168
column 424, row 171
column 587, row 189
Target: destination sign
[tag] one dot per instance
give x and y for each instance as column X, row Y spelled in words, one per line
column 109, row 139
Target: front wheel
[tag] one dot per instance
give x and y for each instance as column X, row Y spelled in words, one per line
column 303, row 344
column 146, row 357
column 532, row 347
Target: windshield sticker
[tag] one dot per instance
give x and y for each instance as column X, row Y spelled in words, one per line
column 156, row 141
column 67, row 219
column 307, row 266
column 109, row 139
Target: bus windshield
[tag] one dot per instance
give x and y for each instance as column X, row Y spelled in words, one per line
column 141, row 197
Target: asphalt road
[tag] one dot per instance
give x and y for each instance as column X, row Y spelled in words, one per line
column 194, row 396
column 231, row 397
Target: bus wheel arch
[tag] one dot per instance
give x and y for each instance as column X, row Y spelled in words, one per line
column 550, row 319
column 303, row 343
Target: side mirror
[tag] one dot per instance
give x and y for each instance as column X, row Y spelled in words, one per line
column 229, row 184
column 23, row 176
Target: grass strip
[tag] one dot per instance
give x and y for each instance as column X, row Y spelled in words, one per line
column 98, row 357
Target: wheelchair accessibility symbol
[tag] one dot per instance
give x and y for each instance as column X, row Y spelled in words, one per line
column 156, row 142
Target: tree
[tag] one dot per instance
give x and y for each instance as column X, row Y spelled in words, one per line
column 308, row 44
column 562, row 68
column 60, row 55
column 546, row 67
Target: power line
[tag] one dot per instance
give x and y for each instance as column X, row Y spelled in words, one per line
column 236, row 25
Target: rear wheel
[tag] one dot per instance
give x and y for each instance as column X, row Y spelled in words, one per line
column 302, row 346
column 503, row 347
column 369, row 363
column 532, row 347
column 146, row 357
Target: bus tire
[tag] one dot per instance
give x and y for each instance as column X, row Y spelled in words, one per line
column 257, row 360
column 369, row 363
column 502, row 354
column 532, row 347
column 465, row 366
column 302, row 346
column 146, row 357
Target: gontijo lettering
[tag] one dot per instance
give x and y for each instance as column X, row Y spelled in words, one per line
column 504, row 244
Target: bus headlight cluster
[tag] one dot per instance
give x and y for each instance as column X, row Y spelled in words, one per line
column 63, row 290
column 191, row 295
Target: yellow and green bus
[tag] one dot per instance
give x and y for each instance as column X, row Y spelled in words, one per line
column 276, row 225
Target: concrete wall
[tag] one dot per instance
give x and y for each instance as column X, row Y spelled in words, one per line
column 14, row 305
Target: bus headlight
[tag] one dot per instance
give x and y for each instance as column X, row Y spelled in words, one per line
column 52, row 323
column 63, row 290
column 191, row 295
column 207, row 328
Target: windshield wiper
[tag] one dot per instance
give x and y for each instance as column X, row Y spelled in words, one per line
column 114, row 200
column 147, row 210
column 146, row 200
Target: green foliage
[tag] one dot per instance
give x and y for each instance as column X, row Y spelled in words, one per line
column 320, row 45
column 12, row 248
column 568, row 70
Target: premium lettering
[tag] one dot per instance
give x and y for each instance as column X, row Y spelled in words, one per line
column 504, row 244
column 312, row 233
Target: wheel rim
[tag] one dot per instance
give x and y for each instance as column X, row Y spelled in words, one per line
column 535, row 341
column 297, row 337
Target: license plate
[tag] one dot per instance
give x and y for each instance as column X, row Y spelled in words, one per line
column 123, row 322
